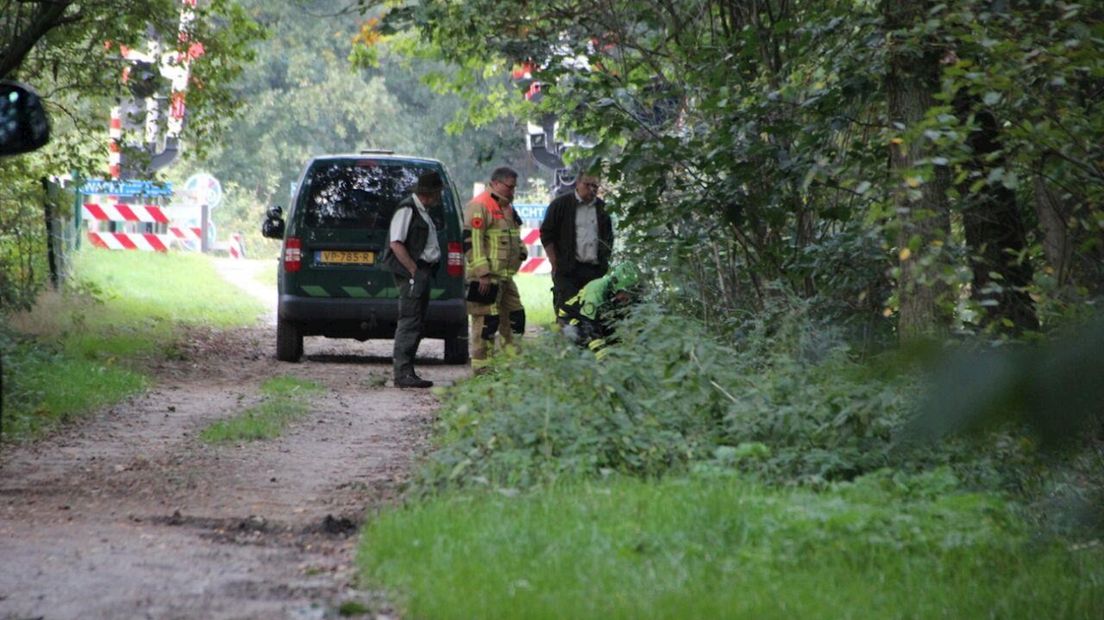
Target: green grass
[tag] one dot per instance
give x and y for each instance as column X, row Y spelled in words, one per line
column 149, row 288
column 285, row 399
column 720, row 547
column 88, row 347
column 265, row 271
column 42, row 388
column 536, row 296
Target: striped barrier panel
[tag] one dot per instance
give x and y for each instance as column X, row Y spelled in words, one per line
column 140, row 219
column 186, row 233
column 237, row 246
column 119, row 212
column 539, row 264
column 148, row 242
column 536, row 262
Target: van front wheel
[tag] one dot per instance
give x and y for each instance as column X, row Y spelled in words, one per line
column 289, row 341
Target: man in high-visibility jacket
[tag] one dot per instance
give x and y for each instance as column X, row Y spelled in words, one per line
column 589, row 317
column 494, row 251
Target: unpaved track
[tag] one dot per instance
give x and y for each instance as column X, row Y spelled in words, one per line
column 126, row 514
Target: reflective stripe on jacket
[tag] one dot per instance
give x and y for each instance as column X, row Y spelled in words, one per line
column 492, row 238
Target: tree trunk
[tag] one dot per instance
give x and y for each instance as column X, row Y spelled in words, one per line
column 1053, row 223
column 1074, row 254
column 996, row 236
column 912, row 76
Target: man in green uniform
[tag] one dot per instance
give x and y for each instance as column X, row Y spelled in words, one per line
column 588, row 317
column 413, row 238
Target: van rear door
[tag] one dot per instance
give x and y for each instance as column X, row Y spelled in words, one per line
column 343, row 214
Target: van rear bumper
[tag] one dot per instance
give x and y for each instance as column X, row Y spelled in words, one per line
column 368, row 318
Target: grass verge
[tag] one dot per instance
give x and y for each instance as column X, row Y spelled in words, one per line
column 87, row 346
column 536, row 296
column 285, row 398
column 708, row 546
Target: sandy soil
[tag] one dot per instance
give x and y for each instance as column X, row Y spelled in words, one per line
column 126, row 514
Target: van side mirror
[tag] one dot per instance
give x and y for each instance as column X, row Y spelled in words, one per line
column 24, row 126
column 273, row 226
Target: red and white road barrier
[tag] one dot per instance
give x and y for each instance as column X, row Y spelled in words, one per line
column 147, row 242
column 530, row 236
column 124, row 213
column 236, row 246
column 186, row 233
column 536, row 263
column 109, row 210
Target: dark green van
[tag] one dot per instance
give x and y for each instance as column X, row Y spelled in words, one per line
column 330, row 282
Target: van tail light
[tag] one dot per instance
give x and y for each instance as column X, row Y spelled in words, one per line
column 455, row 260
column 293, row 254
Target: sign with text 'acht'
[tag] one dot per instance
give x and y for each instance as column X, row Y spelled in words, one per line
column 531, row 213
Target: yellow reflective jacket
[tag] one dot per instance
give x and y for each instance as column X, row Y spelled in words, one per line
column 492, row 238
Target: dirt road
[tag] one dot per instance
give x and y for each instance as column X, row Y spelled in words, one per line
column 128, row 515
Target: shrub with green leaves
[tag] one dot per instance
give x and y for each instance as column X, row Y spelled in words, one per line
column 781, row 401
column 43, row 386
column 88, row 345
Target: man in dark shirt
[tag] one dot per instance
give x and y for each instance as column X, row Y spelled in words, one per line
column 577, row 235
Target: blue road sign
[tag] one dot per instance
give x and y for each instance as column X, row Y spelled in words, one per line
column 531, row 213
column 126, row 188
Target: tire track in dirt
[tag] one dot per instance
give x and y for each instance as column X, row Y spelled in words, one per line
column 126, row 514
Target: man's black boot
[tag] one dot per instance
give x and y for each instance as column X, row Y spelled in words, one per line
column 412, row 381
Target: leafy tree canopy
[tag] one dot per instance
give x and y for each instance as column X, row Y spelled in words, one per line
column 752, row 140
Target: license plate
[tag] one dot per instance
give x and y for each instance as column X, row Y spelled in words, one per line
column 340, row 257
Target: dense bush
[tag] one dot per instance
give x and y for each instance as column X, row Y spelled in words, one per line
column 23, row 266
column 782, row 399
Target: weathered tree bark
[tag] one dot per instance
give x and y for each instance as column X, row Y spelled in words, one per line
column 1053, row 223
column 912, row 76
column 1074, row 254
column 996, row 235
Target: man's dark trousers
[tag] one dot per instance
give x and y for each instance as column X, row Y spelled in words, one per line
column 567, row 285
column 413, row 305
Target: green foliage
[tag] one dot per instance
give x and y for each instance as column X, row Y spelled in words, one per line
column 749, row 142
column 881, row 546
column 786, row 400
column 23, row 266
column 285, row 399
column 1045, row 405
column 78, row 77
column 44, row 385
column 306, row 97
column 88, row 346
column 668, row 395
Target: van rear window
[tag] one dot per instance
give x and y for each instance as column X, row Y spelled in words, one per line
column 356, row 193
